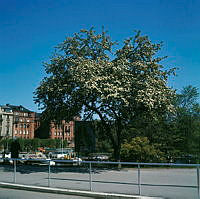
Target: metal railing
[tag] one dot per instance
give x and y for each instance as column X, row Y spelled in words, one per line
column 91, row 163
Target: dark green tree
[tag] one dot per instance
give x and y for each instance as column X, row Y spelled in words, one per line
column 188, row 121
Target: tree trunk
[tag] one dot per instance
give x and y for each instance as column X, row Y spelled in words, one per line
column 117, row 155
column 117, row 145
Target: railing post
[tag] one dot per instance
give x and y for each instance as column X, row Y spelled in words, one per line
column 14, row 178
column 90, row 176
column 49, row 172
column 139, row 180
column 198, row 181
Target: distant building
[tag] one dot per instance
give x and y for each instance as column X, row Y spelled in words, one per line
column 18, row 121
column 56, row 130
column 64, row 131
column 23, row 122
column 6, row 122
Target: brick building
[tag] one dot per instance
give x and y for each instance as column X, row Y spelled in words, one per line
column 64, row 131
column 18, row 121
column 23, row 122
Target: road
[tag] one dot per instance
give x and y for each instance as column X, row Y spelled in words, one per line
column 169, row 183
column 20, row 194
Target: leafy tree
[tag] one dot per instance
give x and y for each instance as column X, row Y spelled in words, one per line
column 82, row 78
column 35, row 143
column 43, row 130
column 5, row 143
column 187, row 98
column 160, row 134
column 139, row 149
column 187, row 121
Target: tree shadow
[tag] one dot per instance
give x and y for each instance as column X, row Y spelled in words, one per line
column 35, row 168
column 29, row 169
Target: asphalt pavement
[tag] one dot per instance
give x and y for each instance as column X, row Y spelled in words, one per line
column 179, row 183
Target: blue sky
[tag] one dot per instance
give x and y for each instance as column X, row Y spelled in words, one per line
column 29, row 31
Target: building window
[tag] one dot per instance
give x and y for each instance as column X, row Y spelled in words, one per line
column 16, row 125
column 24, row 132
column 16, row 132
column 20, row 132
column 27, row 132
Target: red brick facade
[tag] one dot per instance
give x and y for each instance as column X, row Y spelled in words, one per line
column 63, row 131
column 24, row 124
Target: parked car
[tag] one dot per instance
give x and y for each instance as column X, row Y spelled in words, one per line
column 99, row 157
column 6, row 155
column 102, row 157
column 58, row 155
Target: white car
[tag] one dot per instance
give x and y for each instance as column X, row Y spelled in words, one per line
column 5, row 156
column 58, row 155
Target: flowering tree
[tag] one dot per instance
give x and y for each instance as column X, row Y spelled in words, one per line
column 86, row 77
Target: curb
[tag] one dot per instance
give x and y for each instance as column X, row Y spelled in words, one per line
column 73, row 192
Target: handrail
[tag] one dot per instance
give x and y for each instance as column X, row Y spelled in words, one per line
column 78, row 161
column 106, row 162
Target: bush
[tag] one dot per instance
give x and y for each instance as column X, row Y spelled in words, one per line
column 139, row 149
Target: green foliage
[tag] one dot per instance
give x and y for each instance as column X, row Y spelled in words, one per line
column 187, row 98
column 103, row 146
column 43, row 130
column 139, row 149
column 35, row 143
column 27, row 145
column 5, row 143
column 82, row 77
column 187, row 121
column 176, row 135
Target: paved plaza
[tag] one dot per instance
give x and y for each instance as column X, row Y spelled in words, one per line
column 179, row 183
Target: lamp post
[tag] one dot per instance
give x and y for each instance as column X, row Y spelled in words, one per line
column 1, row 120
column 7, row 134
column 63, row 134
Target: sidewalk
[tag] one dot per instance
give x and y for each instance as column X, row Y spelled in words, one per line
column 72, row 192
